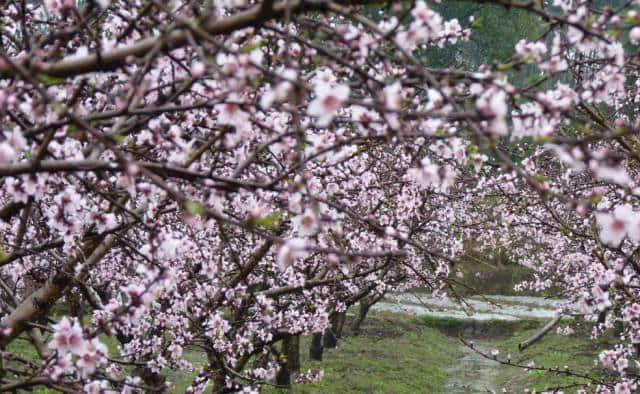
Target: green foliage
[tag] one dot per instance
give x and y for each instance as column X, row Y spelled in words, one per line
column 270, row 221
column 195, row 208
column 499, row 275
column 252, row 46
column 48, row 80
column 3, row 254
column 495, row 32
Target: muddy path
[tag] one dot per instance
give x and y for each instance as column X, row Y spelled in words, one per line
column 472, row 373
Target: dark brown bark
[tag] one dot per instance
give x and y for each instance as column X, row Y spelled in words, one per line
column 365, row 306
column 216, row 374
column 363, row 309
column 283, row 378
column 293, row 354
column 316, row 349
column 115, row 58
column 334, row 332
column 539, row 334
column 154, row 381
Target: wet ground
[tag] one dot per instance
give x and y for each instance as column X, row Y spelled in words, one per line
column 473, row 373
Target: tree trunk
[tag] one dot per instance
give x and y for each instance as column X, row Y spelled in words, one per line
column 618, row 327
column 154, row 381
column 283, row 378
column 293, row 354
column 316, row 349
column 335, row 331
column 539, row 334
column 215, row 369
column 362, row 314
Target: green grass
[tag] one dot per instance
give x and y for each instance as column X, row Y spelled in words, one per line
column 576, row 352
column 25, row 350
column 404, row 354
column 183, row 379
column 394, row 354
column 494, row 329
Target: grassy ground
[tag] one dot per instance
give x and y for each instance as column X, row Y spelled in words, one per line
column 553, row 351
column 393, row 354
column 403, row 354
column 400, row 354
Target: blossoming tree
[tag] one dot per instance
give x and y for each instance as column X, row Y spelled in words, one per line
column 227, row 175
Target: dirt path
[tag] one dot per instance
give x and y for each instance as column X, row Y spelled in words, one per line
column 472, row 374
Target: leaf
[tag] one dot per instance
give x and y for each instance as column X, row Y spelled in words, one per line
column 595, row 200
column 119, row 138
column 195, row 208
column 472, row 149
column 477, row 23
column 3, row 255
column 270, row 221
column 250, row 47
column 48, row 80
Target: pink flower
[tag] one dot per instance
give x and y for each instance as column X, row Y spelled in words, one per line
column 601, row 298
column 198, row 69
column 534, row 49
column 306, row 223
column 614, row 227
column 392, row 96
column 7, row 153
column 93, row 356
column 478, row 161
column 95, row 387
column 493, row 104
column 328, row 101
column 16, row 140
column 59, row 5
column 634, row 35
column 103, row 221
column 290, row 252
column 621, row 364
column 623, row 388
column 67, row 337
column 631, row 312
